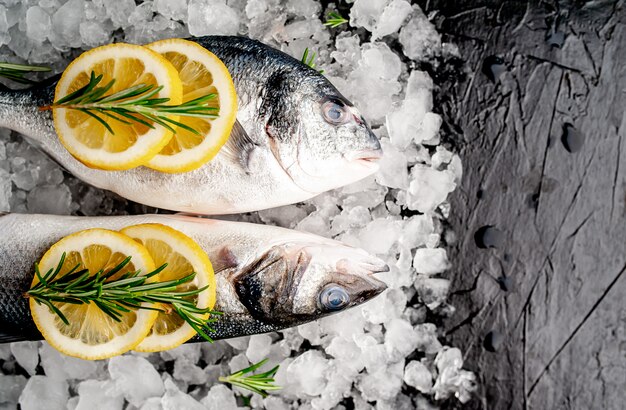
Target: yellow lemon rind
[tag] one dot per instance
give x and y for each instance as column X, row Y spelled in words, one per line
column 190, row 250
column 148, row 144
column 43, row 317
column 191, row 159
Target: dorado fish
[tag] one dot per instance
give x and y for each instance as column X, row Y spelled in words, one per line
column 296, row 137
column 268, row 278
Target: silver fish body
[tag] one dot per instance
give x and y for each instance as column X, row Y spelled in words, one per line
column 296, row 137
column 268, row 278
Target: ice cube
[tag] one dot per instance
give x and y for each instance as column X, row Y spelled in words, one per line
column 417, row 375
column 38, row 24
column 304, row 8
column 10, row 388
column 306, row 374
column 50, row 200
column 285, row 216
column 220, row 397
column 99, row 394
column 174, row 399
column 61, row 367
column 312, row 332
column 190, row 352
column 188, row 372
column 214, row 352
column 255, row 8
column 119, row 11
column 433, row 291
column 391, row 19
column 153, row 403
column 427, row 338
column 93, row 34
column 258, row 348
column 275, row 403
column 66, row 24
column 393, row 170
column 239, row 343
column 411, row 120
column 430, row 261
column 419, row 38
column 5, row 191
column 346, row 350
column 380, row 235
column 5, row 37
column 212, row 17
column 27, row 355
column 43, row 392
column 452, row 379
column 383, row 384
column 351, row 218
column 365, row 13
column 135, row 378
column 238, row 362
column 429, row 188
column 375, row 80
column 172, row 9
column 400, row 339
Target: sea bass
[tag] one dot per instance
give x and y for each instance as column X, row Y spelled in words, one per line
column 268, row 278
column 296, row 137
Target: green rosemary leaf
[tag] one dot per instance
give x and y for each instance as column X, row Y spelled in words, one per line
column 136, row 104
column 117, row 297
column 100, row 120
column 335, row 20
column 16, row 72
column 108, row 114
column 260, row 383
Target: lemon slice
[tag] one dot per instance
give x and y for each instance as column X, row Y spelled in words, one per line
column 131, row 144
column 183, row 256
column 201, row 73
column 92, row 334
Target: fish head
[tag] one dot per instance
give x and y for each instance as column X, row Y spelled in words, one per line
column 299, row 282
column 319, row 137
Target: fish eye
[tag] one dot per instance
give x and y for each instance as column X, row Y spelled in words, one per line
column 335, row 113
column 334, row 297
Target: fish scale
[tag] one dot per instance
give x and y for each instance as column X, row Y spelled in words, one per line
column 281, row 150
column 250, row 285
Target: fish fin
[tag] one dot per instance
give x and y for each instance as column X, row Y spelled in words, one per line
column 241, row 148
column 225, row 259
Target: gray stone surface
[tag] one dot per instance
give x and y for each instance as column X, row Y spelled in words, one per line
column 558, row 334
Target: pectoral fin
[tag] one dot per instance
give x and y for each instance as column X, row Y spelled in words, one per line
column 240, row 148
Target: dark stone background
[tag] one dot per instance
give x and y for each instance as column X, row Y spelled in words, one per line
column 537, row 113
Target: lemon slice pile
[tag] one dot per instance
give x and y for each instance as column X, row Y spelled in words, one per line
column 91, row 333
column 185, row 70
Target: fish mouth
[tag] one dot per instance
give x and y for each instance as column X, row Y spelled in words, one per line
column 365, row 155
column 372, row 267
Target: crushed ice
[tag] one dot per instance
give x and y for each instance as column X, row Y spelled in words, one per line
column 383, row 354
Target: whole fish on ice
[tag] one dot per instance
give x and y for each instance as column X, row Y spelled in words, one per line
column 296, row 137
column 268, row 278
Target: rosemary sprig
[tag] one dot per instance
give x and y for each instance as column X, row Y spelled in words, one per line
column 134, row 104
column 309, row 59
column 335, row 20
column 116, row 297
column 257, row 383
column 16, row 72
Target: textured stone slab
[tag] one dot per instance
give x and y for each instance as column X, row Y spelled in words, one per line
column 544, row 157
